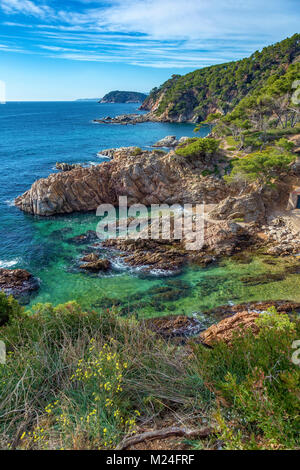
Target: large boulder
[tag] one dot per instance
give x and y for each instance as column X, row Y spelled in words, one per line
column 95, row 264
column 67, row 166
column 17, row 282
column 226, row 329
column 249, row 207
column 168, row 141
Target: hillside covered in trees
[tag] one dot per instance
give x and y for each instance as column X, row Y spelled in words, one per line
column 220, row 88
column 123, row 97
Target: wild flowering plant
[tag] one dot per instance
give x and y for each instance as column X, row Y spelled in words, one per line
column 94, row 412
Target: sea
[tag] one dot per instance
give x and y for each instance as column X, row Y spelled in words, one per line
column 36, row 135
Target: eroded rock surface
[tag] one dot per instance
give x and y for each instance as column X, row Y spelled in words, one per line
column 67, row 166
column 17, row 282
column 248, row 208
column 226, row 329
column 94, row 263
column 174, row 326
column 149, row 178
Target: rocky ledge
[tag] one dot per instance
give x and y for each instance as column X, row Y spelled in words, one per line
column 221, row 239
column 17, row 282
column 94, row 263
column 124, row 119
column 149, row 177
column 173, row 326
column 170, row 141
column 236, row 319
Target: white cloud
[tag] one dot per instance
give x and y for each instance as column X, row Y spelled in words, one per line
column 160, row 33
column 25, row 7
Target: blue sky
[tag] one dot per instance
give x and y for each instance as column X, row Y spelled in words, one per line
column 63, row 50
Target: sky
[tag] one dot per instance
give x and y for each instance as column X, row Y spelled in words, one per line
column 66, row 50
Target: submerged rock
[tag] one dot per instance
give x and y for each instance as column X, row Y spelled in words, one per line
column 84, row 238
column 17, row 282
column 95, row 264
column 174, row 326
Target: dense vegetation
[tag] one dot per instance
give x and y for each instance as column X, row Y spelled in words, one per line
column 264, row 167
column 123, row 97
column 84, row 380
column 222, row 87
column 198, row 148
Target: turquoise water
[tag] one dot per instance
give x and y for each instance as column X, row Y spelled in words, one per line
column 34, row 136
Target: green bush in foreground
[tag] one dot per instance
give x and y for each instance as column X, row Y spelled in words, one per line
column 84, row 380
column 9, row 308
column 256, row 385
column 80, row 380
column 199, row 148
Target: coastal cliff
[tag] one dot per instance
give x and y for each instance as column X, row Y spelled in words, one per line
column 219, row 88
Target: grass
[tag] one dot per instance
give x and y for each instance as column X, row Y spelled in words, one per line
column 84, row 380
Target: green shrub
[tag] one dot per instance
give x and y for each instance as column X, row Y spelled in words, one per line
column 199, row 148
column 9, row 308
column 137, row 151
column 256, row 385
column 285, row 144
column 262, row 167
column 79, row 380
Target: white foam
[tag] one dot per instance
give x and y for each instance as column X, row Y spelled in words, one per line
column 8, row 264
column 10, row 202
column 100, row 155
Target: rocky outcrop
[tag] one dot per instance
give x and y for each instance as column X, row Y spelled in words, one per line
column 221, row 239
column 147, row 178
column 173, row 326
column 230, row 327
column 17, row 282
column 93, row 263
column 124, row 119
column 248, row 207
column 282, row 306
column 170, row 141
column 242, row 318
column 67, row 166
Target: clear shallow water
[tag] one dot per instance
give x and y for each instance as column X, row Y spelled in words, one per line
column 34, row 136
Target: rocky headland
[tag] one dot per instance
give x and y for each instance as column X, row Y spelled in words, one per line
column 149, row 177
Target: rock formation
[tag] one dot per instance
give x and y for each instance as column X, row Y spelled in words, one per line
column 67, row 166
column 248, row 207
column 147, row 178
column 93, row 263
column 226, row 329
column 17, row 282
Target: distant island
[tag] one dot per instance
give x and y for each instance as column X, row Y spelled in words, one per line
column 88, row 99
column 123, row 97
